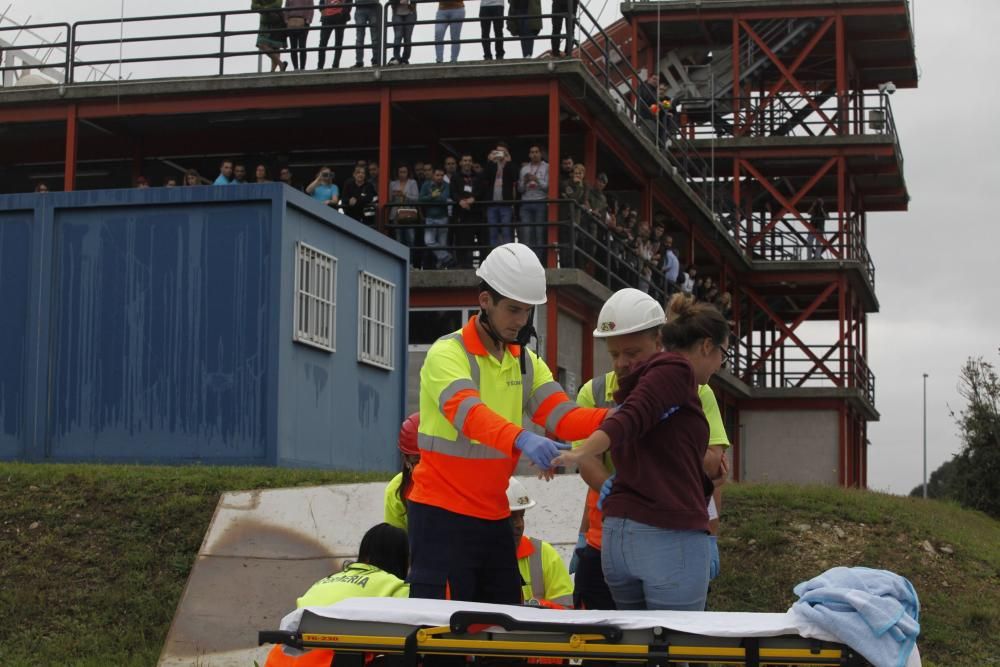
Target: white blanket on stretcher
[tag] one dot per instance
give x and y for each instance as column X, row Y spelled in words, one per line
column 416, row 612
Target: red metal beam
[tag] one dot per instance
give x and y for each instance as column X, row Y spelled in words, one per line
column 187, row 104
column 465, row 90
column 69, row 182
column 789, row 76
column 809, row 47
column 34, row 114
column 790, row 332
column 815, row 151
column 554, row 156
column 384, row 152
column 780, row 13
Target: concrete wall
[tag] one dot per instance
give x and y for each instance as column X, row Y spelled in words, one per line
column 797, row 446
column 570, row 353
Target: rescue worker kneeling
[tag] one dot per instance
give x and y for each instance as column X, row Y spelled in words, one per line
column 546, row 579
column 383, row 558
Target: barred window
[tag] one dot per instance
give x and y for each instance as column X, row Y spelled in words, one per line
column 315, row 297
column 376, row 321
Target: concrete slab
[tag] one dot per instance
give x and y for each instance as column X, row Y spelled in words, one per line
column 265, row 548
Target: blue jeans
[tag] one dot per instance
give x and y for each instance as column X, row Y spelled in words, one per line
column 448, row 18
column 402, row 28
column 500, row 220
column 435, row 238
column 530, row 234
column 652, row 568
column 371, row 16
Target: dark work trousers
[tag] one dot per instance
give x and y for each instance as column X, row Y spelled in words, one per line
column 466, row 237
column 464, row 557
column 296, row 45
column 561, row 14
column 337, row 25
column 590, row 591
column 492, row 16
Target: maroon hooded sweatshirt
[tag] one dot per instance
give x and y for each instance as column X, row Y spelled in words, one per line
column 658, row 440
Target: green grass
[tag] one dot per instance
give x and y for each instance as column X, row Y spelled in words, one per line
column 97, row 580
column 93, row 558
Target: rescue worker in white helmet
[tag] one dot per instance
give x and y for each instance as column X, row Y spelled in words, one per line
column 546, row 579
column 476, row 386
column 630, row 324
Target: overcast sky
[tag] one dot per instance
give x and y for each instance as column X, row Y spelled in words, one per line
column 938, row 298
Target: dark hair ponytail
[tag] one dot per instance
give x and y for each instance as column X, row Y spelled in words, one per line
column 689, row 322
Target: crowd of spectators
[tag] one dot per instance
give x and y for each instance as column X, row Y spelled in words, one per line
column 451, row 212
column 285, row 26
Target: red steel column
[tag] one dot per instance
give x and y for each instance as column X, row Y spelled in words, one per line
column 842, row 438
column 844, row 242
column 841, row 58
column 384, row 151
column 553, row 230
column 69, row 176
column 842, row 318
column 736, row 76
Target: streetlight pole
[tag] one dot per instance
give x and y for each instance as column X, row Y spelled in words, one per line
column 925, row 436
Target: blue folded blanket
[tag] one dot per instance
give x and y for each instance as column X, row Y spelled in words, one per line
column 875, row 612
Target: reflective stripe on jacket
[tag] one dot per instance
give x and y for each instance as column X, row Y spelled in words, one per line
column 546, row 579
column 358, row 580
column 471, row 410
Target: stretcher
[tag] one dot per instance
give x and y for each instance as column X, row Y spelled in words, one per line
column 405, row 630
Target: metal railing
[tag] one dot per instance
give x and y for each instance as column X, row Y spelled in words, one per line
column 575, row 237
column 791, row 366
column 791, row 241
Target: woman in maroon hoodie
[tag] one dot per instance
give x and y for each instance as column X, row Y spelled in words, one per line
column 656, row 547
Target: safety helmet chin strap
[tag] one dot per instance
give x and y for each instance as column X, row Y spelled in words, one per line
column 524, row 336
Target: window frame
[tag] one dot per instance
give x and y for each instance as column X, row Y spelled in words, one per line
column 305, row 336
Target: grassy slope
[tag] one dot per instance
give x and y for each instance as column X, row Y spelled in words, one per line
column 96, row 581
column 93, row 559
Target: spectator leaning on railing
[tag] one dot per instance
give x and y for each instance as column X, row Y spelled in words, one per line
column 533, row 185
column 434, row 196
column 403, row 195
column 491, row 16
column 271, row 33
column 368, row 13
column 404, row 16
column 333, row 17
column 298, row 18
column 450, row 15
column 464, row 188
column 497, row 185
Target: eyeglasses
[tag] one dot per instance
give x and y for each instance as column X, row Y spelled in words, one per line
column 726, row 355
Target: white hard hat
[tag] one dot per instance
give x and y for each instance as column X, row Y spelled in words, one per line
column 628, row 311
column 514, row 271
column 517, row 496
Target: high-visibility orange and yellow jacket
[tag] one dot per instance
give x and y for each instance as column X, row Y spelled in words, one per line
column 471, row 410
column 546, row 579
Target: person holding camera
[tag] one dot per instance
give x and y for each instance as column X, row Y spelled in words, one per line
column 323, row 188
column 359, row 198
column 497, row 185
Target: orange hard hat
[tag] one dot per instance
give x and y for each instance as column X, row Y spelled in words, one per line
column 408, row 435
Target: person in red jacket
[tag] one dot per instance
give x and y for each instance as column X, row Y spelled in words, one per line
column 656, row 551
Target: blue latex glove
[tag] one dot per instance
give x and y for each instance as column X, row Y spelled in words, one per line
column 605, row 491
column 581, row 543
column 539, row 449
column 713, row 547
